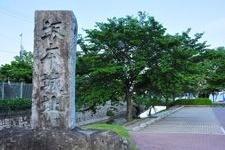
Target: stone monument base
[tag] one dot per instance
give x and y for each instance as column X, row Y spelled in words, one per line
column 77, row 139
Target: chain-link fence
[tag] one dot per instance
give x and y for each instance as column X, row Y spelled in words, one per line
column 15, row 90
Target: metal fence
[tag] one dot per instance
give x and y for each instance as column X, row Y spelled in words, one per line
column 15, row 90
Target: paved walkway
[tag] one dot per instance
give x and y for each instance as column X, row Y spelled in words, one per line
column 191, row 128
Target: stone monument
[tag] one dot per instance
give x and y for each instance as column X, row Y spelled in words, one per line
column 53, row 98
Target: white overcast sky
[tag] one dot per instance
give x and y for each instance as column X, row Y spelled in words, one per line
column 17, row 16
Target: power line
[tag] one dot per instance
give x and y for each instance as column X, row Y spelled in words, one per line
column 8, row 37
column 3, row 51
column 4, row 61
column 18, row 16
column 15, row 15
column 16, row 12
column 9, row 51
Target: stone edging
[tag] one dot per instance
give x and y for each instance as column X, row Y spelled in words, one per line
column 140, row 125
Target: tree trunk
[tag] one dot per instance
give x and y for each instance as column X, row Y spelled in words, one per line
column 150, row 109
column 167, row 102
column 129, row 106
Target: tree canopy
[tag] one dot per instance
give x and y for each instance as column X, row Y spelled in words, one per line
column 19, row 70
column 132, row 56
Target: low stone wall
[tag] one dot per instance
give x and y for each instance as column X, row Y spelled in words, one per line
column 100, row 115
column 82, row 118
column 18, row 121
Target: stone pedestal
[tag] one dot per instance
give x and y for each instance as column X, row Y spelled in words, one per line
column 53, row 98
column 78, row 139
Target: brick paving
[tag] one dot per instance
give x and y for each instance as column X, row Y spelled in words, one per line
column 191, row 128
column 220, row 115
column 188, row 120
column 178, row 141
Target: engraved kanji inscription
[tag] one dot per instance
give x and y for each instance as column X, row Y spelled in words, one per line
column 54, row 75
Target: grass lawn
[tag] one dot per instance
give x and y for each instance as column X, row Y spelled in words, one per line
column 116, row 128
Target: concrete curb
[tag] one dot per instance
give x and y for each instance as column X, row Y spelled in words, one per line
column 142, row 124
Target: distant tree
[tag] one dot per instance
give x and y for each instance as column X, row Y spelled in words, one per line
column 177, row 71
column 215, row 73
column 19, row 70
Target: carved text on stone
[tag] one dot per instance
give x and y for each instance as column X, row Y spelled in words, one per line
column 51, row 87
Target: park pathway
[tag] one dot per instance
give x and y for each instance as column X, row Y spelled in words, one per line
column 191, row 128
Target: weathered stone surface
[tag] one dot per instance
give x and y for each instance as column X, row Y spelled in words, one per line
column 26, row 139
column 107, row 140
column 20, row 121
column 53, row 98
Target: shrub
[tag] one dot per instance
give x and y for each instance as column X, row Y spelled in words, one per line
column 110, row 113
column 15, row 104
column 198, row 101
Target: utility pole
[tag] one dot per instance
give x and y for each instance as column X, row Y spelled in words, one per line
column 21, row 46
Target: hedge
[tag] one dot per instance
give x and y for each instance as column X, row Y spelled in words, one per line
column 15, row 104
column 198, row 101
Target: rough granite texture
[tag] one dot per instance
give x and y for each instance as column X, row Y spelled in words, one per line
column 53, row 98
column 77, row 139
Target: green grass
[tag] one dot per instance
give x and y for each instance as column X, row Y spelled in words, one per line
column 116, row 128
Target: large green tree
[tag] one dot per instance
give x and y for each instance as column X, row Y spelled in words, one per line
column 119, row 52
